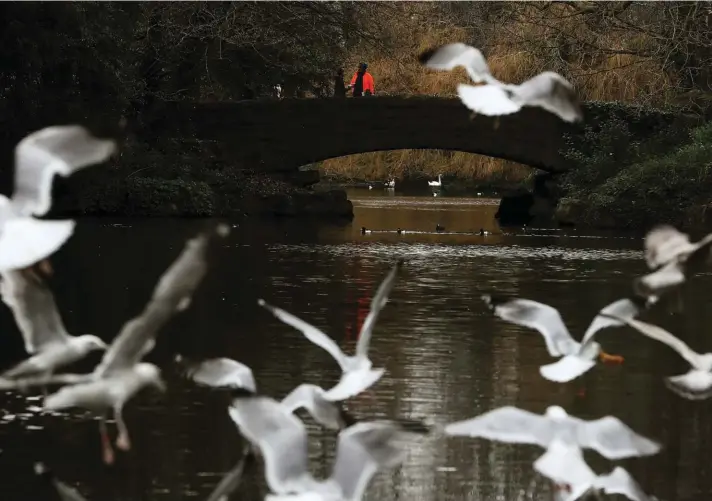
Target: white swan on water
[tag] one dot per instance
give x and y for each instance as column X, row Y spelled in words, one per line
column 439, row 182
column 391, row 183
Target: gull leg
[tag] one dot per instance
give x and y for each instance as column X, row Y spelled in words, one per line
column 107, row 451
column 122, row 439
column 608, row 358
column 46, row 267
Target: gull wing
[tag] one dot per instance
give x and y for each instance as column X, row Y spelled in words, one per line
column 535, row 315
column 172, row 294
column 660, row 334
column 625, row 308
column 34, row 308
column 25, row 241
column 231, row 480
column 506, row 424
column 448, row 57
column 619, row 481
column 53, row 150
column 222, row 372
column 613, row 439
column 554, row 93
column 488, row 100
column 313, row 334
column 280, row 436
column 377, row 303
column 362, row 450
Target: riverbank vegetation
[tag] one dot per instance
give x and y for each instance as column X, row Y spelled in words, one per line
column 632, row 52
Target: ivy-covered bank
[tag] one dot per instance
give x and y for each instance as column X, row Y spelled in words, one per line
column 221, row 193
column 618, row 180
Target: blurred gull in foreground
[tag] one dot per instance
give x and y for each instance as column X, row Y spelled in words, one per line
column 362, row 450
column 61, row 150
column 120, row 375
column 547, row 90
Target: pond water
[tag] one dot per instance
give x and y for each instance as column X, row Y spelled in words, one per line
column 446, row 357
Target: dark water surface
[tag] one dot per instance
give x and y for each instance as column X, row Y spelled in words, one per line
column 446, row 357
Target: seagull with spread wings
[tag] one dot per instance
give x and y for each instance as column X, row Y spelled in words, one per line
column 35, row 310
column 362, row 450
column 673, row 259
column 576, row 358
column 120, row 374
column 357, row 372
column 63, row 150
column 547, row 90
column 609, row 436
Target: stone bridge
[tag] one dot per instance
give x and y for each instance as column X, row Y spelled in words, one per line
column 282, row 135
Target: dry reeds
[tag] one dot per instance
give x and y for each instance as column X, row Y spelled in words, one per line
column 513, row 57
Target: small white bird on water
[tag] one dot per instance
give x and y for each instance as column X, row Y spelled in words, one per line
column 438, row 183
column 673, row 258
column 547, row 90
column 565, row 466
column 358, row 374
column 577, row 358
column 61, row 150
column 693, row 385
column 35, row 311
column 362, row 450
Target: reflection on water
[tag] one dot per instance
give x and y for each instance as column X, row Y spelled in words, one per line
column 446, row 357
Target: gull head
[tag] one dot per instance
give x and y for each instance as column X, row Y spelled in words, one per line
column 556, row 412
column 89, row 342
column 149, row 374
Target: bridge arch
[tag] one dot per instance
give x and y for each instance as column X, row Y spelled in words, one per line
column 282, row 135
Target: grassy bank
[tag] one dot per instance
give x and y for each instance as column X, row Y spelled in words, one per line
column 512, row 46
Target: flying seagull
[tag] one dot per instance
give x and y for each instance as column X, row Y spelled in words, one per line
column 33, row 305
column 609, row 436
column 358, row 374
column 547, row 90
column 61, row 150
column 696, row 384
column 566, row 466
column 673, row 258
column 577, row 358
column 120, row 375
column 362, row 450
column 225, row 373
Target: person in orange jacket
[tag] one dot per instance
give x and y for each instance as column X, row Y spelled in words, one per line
column 362, row 82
